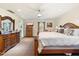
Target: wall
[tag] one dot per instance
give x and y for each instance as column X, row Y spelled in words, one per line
column 72, row 16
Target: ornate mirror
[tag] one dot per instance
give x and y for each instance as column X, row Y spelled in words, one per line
column 7, row 24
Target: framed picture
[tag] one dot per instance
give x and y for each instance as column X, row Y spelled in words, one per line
column 49, row 24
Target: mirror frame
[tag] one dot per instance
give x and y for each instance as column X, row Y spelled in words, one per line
column 9, row 18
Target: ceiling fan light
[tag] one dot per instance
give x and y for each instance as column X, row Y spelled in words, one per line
column 39, row 15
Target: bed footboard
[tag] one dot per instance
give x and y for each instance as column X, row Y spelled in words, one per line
column 36, row 46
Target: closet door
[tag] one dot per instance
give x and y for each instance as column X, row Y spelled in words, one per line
column 29, row 30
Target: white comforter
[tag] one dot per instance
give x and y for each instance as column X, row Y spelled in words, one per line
column 57, row 39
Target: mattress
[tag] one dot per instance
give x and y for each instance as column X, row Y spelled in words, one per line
column 61, row 47
column 57, row 39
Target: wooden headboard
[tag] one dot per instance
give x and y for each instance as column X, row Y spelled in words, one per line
column 70, row 25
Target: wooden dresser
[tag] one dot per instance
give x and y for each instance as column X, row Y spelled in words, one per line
column 29, row 30
column 8, row 41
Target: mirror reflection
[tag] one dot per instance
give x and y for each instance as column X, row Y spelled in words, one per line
column 7, row 26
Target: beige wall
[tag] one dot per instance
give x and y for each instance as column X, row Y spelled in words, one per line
column 71, row 16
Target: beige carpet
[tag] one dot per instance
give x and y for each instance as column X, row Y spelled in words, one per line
column 24, row 48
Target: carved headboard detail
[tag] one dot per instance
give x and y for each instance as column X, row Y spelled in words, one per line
column 70, row 25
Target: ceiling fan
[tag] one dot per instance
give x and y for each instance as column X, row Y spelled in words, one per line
column 39, row 13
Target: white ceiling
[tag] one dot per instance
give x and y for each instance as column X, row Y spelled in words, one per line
column 48, row 10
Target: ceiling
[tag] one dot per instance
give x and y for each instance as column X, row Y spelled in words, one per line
column 30, row 10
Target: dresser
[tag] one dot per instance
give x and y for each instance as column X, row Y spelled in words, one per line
column 29, row 30
column 8, row 41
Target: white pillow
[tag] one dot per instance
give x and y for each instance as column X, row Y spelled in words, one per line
column 76, row 32
column 68, row 31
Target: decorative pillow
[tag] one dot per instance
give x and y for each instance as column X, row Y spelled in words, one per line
column 60, row 30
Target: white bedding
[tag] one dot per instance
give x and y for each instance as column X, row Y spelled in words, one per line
column 57, row 39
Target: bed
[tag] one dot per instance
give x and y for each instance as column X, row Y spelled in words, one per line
column 57, row 43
